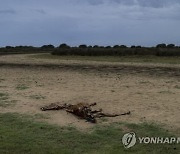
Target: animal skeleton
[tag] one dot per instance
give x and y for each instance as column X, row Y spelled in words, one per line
column 82, row 110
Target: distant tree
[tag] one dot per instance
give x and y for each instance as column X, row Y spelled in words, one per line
column 138, row 46
column 170, row 46
column 123, row 46
column 19, row 47
column 133, row 46
column 95, row 46
column 47, row 46
column 116, row 46
column 30, row 47
column 108, row 47
column 90, row 46
column 163, row 45
column 83, row 46
column 64, row 45
column 9, row 47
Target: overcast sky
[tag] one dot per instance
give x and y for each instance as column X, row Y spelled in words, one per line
column 101, row 22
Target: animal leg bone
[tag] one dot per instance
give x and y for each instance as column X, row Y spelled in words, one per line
column 52, row 107
column 101, row 114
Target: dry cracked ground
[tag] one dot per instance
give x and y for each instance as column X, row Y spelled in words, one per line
column 150, row 91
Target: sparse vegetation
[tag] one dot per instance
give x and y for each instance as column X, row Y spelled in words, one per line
column 22, row 87
column 1, row 80
column 4, row 100
column 103, row 119
column 40, row 116
column 28, row 136
column 3, row 86
column 3, row 96
column 144, row 82
column 177, row 87
column 166, row 92
column 37, row 97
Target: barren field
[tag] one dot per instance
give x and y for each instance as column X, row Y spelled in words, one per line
column 150, row 91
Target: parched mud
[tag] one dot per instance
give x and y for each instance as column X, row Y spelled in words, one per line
column 151, row 92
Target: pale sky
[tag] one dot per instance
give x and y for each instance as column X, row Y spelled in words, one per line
column 101, row 22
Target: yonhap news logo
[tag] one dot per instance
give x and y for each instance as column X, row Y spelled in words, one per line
column 130, row 139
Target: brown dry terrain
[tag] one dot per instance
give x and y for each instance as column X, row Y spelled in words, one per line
column 150, row 91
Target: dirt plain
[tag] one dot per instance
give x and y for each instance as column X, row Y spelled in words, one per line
column 150, row 91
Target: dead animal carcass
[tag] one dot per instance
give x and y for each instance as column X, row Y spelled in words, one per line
column 82, row 110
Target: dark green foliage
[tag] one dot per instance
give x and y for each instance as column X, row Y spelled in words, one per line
column 90, row 46
column 170, row 46
column 108, row 47
column 23, row 50
column 116, row 46
column 84, row 50
column 83, row 46
column 95, row 46
column 167, row 52
column 64, row 46
column 161, row 45
column 118, row 51
column 123, row 46
column 9, row 47
column 47, row 46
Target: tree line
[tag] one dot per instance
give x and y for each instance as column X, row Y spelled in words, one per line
column 85, row 50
